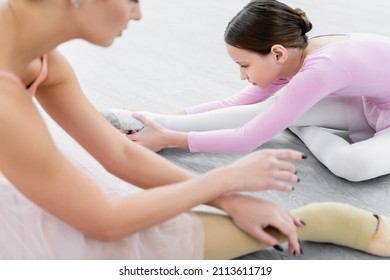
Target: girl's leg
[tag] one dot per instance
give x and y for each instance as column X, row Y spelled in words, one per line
column 225, row 118
column 335, row 223
column 232, row 117
column 355, row 162
column 330, row 112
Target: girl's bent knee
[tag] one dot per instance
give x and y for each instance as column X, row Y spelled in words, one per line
column 351, row 166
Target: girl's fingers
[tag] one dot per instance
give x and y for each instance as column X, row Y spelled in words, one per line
column 140, row 117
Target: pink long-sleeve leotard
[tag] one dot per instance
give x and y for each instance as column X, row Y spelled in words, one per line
column 356, row 67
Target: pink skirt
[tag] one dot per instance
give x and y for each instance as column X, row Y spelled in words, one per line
column 377, row 118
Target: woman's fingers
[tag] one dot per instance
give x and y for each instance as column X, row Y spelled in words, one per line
column 287, row 176
column 287, row 229
column 286, row 225
column 287, row 154
column 286, row 165
column 279, row 186
column 260, row 234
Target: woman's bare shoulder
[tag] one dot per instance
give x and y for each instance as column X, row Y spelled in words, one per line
column 59, row 69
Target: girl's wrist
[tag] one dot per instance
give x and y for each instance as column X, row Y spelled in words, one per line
column 174, row 139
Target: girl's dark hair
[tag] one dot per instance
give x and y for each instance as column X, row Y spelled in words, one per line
column 264, row 23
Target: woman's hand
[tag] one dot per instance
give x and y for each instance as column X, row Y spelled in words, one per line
column 264, row 169
column 254, row 215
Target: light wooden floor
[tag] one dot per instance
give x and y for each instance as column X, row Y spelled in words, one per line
column 175, row 57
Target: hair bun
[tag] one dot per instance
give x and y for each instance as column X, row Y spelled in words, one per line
column 305, row 22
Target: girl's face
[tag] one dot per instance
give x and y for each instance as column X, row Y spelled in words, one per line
column 107, row 19
column 260, row 70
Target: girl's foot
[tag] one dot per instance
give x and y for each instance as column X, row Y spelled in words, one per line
column 122, row 119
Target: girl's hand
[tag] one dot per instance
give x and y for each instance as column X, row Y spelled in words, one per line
column 255, row 215
column 151, row 136
column 265, row 169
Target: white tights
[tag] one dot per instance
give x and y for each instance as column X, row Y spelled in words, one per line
column 355, row 162
column 330, row 113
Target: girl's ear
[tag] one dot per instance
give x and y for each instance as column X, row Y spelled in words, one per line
column 279, row 53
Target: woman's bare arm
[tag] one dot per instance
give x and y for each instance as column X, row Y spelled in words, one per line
column 31, row 162
column 63, row 99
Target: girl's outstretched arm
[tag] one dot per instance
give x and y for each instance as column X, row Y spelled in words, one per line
column 249, row 95
column 159, row 131
column 171, row 131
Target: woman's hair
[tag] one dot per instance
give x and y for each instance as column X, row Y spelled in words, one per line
column 264, row 23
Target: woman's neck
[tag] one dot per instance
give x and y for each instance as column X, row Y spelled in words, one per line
column 28, row 30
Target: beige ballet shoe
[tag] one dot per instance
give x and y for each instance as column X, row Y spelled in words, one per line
column 380, row 242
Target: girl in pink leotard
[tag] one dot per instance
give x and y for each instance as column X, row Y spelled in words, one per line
column 337, row 81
